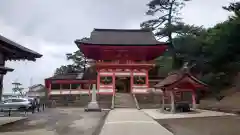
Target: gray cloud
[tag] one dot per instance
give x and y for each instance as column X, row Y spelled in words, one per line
column 51, row 26
column 64, row 21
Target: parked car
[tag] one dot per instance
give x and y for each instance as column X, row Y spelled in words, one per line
column 20, row 104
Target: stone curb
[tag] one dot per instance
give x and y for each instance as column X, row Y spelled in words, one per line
column 11, row 122
column 237, row 112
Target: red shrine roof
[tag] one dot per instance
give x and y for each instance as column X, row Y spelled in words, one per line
column 114, row 44
column 180, row 80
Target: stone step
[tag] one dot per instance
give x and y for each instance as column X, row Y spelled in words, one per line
column 124, row 100
column 121, row 106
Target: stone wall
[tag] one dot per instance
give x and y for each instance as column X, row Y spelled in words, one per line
column 105, row 101
column 150, row 100
column 69, row 100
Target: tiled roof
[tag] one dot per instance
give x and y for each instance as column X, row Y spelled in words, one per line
column 20, row 52
column 87, row 75
column 121, row 37
column 175, row 77
column 65, row 76
column 36, row 85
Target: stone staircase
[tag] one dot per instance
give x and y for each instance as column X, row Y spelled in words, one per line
column 124, row 100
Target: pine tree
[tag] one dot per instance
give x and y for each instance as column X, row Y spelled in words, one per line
column 167, row 19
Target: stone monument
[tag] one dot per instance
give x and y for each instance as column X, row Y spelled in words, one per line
column 93, row 105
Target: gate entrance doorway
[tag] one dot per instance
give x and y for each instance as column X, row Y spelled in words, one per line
column 123, row 85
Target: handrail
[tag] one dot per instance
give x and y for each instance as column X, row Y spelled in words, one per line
column 136, row 102
column 113, row 101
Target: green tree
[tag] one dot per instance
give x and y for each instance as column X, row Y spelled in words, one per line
column 167, row 15
column 64, row 69
column 188, row 48
column 79, row 63
column 234, row 8
column 78, row 59
column 222, row 50
column 223, row 45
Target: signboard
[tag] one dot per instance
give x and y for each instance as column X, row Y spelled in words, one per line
column 122, row 73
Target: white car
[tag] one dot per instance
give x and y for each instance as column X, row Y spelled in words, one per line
column 15, row 104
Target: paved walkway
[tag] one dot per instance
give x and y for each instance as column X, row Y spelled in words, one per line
column 131, row 122
column 6, row 120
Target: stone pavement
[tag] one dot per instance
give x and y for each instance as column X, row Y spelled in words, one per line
column 7, row 120
column 58, row 121
column 131, row 122
column 156, row 114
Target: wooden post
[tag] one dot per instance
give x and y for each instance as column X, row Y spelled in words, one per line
column 114, row 83
column 163, row 101
column 131, row 81
column 60, row 88
column 147, row 79
column 98, row 80
column 172, row 102
column 2, row 63
column 194, row 100
column 1, row 86
column 49, row 89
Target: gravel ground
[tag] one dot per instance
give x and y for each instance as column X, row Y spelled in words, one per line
column 224, row 125
column 58, row 121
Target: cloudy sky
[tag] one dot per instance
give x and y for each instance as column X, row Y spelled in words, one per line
column 51, row 26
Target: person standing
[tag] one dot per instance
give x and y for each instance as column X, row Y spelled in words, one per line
column 43, row 104
column 33, row 105
column 38, row 104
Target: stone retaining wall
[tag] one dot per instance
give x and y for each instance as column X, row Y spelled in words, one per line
column 79, row 100
column 147, row 101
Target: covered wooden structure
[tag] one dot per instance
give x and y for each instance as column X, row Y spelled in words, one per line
column 122, row 54
column 10, row 50
column 70, row 84
column 70, row 88
column 175, row 84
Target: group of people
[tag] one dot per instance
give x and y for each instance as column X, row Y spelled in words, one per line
column 36, row 104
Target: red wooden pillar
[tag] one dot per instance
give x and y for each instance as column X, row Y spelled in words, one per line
column 60, row 88
column 98, row 80
column 194, row 99
column 147, row 79
column 49, row 89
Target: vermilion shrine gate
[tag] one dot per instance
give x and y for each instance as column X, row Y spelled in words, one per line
column 122, row 55
column 122, row 60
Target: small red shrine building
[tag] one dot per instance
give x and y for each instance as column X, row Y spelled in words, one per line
column 124, row 55
column 176, row 84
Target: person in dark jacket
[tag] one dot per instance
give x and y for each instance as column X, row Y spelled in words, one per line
column 33, row 105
